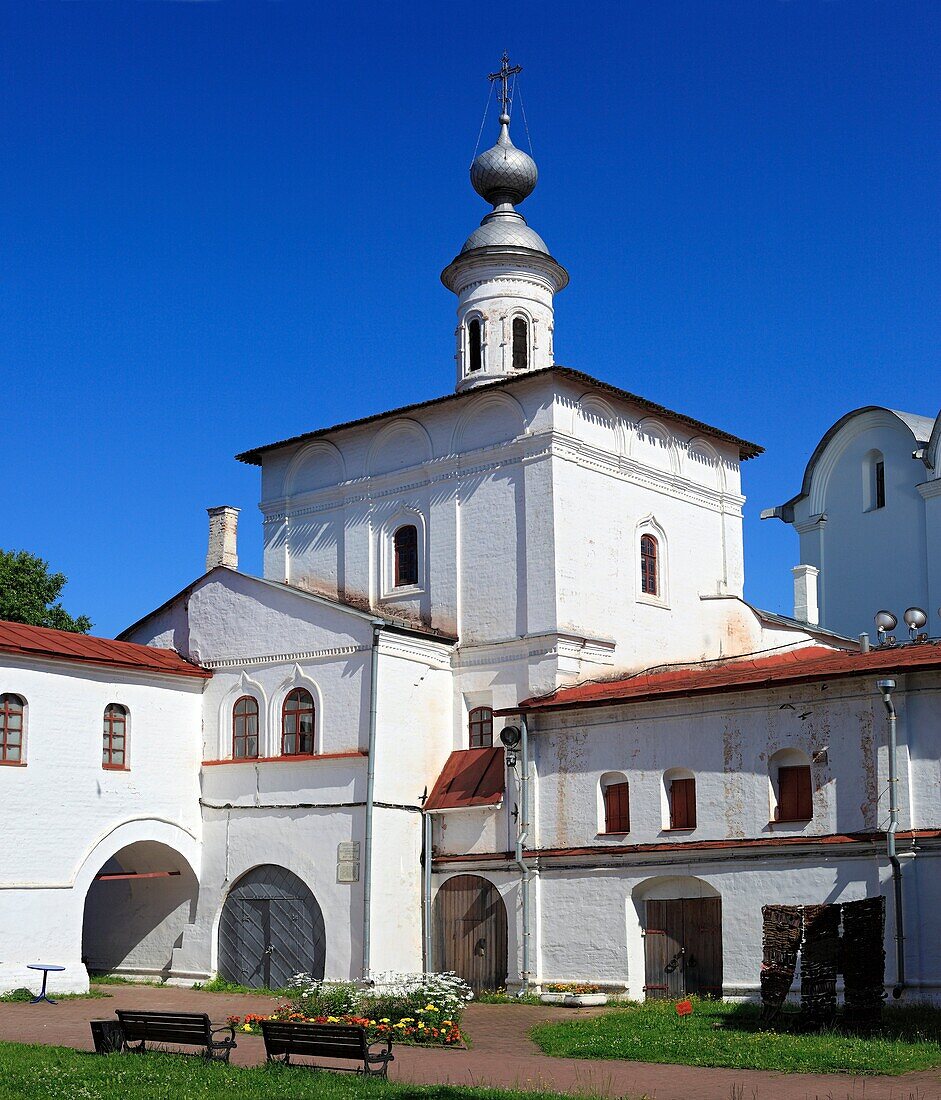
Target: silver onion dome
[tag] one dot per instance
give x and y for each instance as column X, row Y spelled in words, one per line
column 504, row 174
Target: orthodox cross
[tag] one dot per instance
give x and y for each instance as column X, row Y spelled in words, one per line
column 504, row 77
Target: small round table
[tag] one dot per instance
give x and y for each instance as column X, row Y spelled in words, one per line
column 45, row 968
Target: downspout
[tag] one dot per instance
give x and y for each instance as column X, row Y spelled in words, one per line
column 886, row 687
column 428, row 960
column 521, row 837
column 370, row 795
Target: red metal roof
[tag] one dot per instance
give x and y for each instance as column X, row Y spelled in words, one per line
column 471, row 777
column 42, row 641
column 742, row 674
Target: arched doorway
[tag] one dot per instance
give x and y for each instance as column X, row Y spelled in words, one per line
column 681, row 920
column 470, row 931
column 271, row 929
column 136, row 909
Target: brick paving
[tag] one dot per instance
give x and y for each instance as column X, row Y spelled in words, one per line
column 502, row 1054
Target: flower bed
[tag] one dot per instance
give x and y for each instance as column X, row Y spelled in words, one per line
column 423, row 1009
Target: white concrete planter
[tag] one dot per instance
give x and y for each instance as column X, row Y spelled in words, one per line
column 553, row 998
column 584, row 1000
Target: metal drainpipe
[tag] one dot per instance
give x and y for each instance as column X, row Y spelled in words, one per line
column 370, row 796
column 427, row 822
column 521, row 837
column 886, row 687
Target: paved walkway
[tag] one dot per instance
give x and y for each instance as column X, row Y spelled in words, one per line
column 502, row 1054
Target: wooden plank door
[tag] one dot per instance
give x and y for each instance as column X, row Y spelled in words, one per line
column 702, row 937
column 663, row 950
column 683, row 948
column 470, row 932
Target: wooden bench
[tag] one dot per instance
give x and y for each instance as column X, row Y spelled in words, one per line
column 178, row 1028
column 285, row 1039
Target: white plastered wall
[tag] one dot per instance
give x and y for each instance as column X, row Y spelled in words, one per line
column 51, row 858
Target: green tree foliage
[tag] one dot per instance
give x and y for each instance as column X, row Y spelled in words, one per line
column 28, row 593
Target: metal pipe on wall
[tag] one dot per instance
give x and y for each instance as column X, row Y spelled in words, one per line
column 370, row 797
column 887, row 687
column 521, row 837
column 428, row 961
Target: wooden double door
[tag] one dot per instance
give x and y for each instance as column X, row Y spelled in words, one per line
column 470, row 932
column 683, row 948
column 271, row 929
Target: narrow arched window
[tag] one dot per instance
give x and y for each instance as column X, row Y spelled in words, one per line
column 520, row 343
column 405, row 544
column 245, row 728
column 874, row 481
column 114, row 738
column 649, row 566
column 297, row 723
column 475, row 360
column 480, row 728
column 11, row 729
column 617, row 805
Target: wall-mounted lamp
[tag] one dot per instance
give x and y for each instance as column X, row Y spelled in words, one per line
column 511, row 738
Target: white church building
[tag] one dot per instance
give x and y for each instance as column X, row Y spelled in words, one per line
column 303, row 771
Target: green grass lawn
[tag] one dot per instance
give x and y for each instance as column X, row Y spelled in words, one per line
column 718, row 1034
column 59, row 1073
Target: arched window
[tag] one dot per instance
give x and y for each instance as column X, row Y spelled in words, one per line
column 520, row 343
column 681, row 798
column 649, row 566
column 405, row 544
column 114, row 739
column 480, row 728
column 617, row 805
column 792, row 786
column 245, row 728
column 475, row 358
column 11, row 729
column 873, row 481
column 297, row 723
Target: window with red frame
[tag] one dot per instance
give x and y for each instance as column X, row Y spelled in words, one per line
column 11, row 729
column 245, row 728
column 297, row 723
column 649, row 566
column 114, row 744
column 683, row 804
column 405, row 542
column 795, row 793
column 617, row 808
column 480, row 728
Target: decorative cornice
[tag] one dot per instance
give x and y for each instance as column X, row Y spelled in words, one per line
column 283, row 658
column 527, row 448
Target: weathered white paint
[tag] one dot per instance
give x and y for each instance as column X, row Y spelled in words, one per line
column 590, row 896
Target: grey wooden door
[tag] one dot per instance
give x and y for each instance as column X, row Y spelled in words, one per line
column 470, row 932
column 683, row 948
column 271, row 929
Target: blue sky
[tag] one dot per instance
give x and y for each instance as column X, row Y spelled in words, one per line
column 223, row 224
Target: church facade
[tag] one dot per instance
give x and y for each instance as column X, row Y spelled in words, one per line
column 506, row 559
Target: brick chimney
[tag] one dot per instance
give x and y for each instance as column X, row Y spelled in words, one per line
column 223, row 524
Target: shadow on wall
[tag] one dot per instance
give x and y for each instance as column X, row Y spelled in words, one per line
column 135, row 923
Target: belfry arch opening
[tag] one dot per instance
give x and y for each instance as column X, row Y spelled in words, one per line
column 138, row 905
